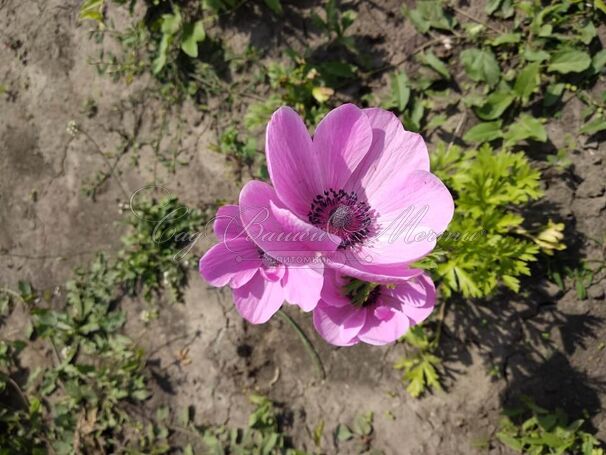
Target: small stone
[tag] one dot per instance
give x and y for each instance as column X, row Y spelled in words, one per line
column 592, row 187
column 551, row 290
column 591, row 143
column 596, row 292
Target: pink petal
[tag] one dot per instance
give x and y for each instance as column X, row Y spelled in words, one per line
column 412, row 220
column 394, row 153
column 363, row 265
column 341, row 141
column 383, row 313
column 302, row 286
column 338, row 325
column 391, row 250
column 227, row 223
column 383, row 331
column 313, row 238
column 293, row 168
column 273, row 273
column 332, row 289
column 278, row 231
column 417, row 298
column 259, row 299
column 230, row 263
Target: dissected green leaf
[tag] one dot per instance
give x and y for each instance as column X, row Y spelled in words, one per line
column 510, row 441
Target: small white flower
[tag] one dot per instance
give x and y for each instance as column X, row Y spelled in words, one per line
column 72, row 128
column 447, row 42
column 147, row 316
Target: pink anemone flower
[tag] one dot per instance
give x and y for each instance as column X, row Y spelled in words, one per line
column 383, row 314
column 363, row 179
column 260, row 282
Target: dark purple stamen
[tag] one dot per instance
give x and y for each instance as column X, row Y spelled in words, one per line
column 342, row 214
column 267, row 260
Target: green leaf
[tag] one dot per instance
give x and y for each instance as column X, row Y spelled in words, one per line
column 569, row 61
column 495, row 104
column 492, row 6
column 599, row 61
column 436, row 122
column 363, row 424
column 421, row 373
column 275, row 6
column 535, row 56
column 414, row 115
column 418, row 21
column 484, row 132
column 400, row 91
column 588, row 33
column 429, row 13
column 481, row 65
column 162, row 56
column 597, row 124
column 527, row 81
column 343, row 433
column 510, row 441
column 92, row 10
column 193, row 33
column 511, row 282
column 600, row 4
column 526, row 127
column 581, row 289
column 171, row 23
column 435, row 63
column 348, row 18
column 26, row 291
column 336, row 69
column 506, row 38
column 318, row 433
column 553, row 93
column 322, row 94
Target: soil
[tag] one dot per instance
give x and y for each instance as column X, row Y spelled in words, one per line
column 542, row 342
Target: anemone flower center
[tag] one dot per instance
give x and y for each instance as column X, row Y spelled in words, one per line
column 342, row 214
column 362, row 293
column 267, row 260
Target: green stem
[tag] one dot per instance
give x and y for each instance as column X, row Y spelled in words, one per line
column 306, row 343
